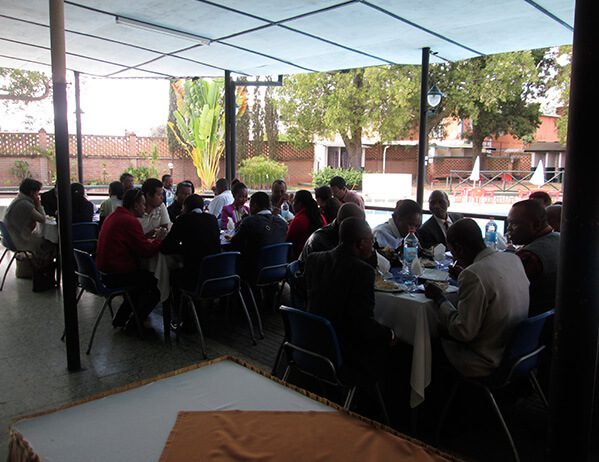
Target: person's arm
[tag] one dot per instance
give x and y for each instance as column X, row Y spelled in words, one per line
column 165, row 221
column 532, row 264
column 172, row 242
column 138, row 242
column 425, row 236
column 224, row 217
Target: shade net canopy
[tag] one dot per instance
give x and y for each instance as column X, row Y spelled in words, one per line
column 187, row 38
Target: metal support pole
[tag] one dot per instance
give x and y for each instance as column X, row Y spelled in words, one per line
column 574, row 411
column 230, row 112
column 422, row 133
column 78, row 126
column 61, row 140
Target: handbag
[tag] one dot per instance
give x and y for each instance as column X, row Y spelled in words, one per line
column 44, row 278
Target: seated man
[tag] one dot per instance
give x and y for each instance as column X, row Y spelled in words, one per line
column 156, row 214
column 389, row 236
column 127, row 181
column 278, row 196
column 493, row 299
column 222, row 197
column 184, row 190
column 194, row 235
column 541, row 197
column 434, row 230
column 327, row 238
column 527, row 226
column 121, row 244
column 256, row 231
column 554, row 217
column 342, row 194
column 340, row 287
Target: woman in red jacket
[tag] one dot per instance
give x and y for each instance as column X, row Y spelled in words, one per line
column 307, row 220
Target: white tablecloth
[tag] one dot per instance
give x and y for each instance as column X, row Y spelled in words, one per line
column 413, row 317
column 49, row 231
column 162, row 265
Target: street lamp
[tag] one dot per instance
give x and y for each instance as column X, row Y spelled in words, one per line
column 434, row 96
column 170, row 166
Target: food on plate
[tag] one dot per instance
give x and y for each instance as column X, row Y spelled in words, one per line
column 382, row 284
column 441, row 285
column 427, row 263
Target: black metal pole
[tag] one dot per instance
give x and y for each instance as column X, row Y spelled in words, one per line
column 78, row 126
column 61, row 140
column 230, row 112
column 422, row 136
column 573, row 396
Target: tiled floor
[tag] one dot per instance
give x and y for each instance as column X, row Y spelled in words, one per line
column 34, row 377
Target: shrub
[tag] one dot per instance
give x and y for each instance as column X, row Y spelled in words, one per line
column 21, row 170
column 259, row 172
column 352, row 177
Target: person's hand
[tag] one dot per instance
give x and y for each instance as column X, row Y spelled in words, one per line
column 160, row 233
column 454, row 271
column 394, row 339
column 228, row 237
column 37, row 200
column 432, row 291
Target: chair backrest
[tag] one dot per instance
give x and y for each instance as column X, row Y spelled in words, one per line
column 295, row 280
column 218, row 275
column 272, row 263
column 6, row 239
column 87, row 273
column 85, row 236
column 312, row 344
column 522, row 353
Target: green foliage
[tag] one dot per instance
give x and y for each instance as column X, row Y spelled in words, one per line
column 23, row 86
column 352, row 177
column 271, row 121
column 242, row 128
column 562, row 84
column 143, row 172
column 257, row 123
column 259, row 172
column 21, row 170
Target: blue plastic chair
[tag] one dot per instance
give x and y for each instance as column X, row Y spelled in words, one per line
column 217, row 278
column 519, row 361
column 312, row 348
column 9, row 246
column 89, row 280
column 271, row 269
column 296, row 288
column 85, row 236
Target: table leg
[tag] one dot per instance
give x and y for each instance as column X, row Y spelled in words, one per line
column 166, row 318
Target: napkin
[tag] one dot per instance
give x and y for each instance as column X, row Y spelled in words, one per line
column 382, row 263
column 416, row 267
column 501, row 242
column 439, row 252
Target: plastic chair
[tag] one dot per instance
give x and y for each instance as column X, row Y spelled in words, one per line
column 312, row 348
column 519, row 361
column 295, row 280
column 85, row 236
column 89, row 280
column 217, row 278
column 271, row 269
column 9, row 246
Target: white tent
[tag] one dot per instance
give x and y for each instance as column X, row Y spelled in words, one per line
column 538, row 177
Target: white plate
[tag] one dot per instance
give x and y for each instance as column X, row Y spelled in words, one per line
column 399, row 288
column 434, row 275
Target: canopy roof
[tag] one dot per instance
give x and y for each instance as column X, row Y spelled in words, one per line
column 261, row 37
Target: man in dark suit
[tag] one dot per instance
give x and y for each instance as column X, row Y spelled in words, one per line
column 340, row 287
column 194, row 235
column 434, row 230
column 261, row 228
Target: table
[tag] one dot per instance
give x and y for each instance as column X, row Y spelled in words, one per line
column 133, row 423
column 161, row 266
column 49, row 230
column 414, row 319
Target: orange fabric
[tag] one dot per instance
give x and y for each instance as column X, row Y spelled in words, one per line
column 283, row 436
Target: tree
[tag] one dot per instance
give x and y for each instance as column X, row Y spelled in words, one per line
column 242, row 129
column 562, row 84
column 377, row 100
column 173, row 133
column 23, row 86
column 257, row 123
column 271, row 121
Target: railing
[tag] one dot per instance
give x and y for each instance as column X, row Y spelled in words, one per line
column 503, row 180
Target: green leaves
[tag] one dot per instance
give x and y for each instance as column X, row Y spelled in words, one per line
column 259, row 172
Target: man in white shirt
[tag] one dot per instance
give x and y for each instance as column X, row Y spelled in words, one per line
column 156, row 214
column 223, row 196
column 406, row 216
column 493, row 300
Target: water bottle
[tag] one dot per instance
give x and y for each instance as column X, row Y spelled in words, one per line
column 230, row 225
column 285, row 210
column 410, row 253
column 491, row 234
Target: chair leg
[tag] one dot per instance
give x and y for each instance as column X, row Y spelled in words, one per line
column 79, row 298
column 537, row 387
column 7, row 268
column 110, row 308
column 278, row 359
column 260, row 331
column 445, row 411
column 135, row 315
column 247, row 315
column 503, row 424
column 286, row 374
column 3, row 254
column 379, row 395
column 349, row 398
column 196, row 320
column 96, row 322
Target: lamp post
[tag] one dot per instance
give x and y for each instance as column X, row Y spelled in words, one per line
column 170, row 166
column 429, row 100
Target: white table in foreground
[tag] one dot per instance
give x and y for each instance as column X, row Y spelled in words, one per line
column 413, row 317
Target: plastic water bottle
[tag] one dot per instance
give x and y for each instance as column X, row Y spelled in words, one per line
column 491, row 234
column 285, row 210
column 410, row 253
column 230, row 225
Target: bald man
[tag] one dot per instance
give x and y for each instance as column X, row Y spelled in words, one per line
column 528, row 226
column 434, row 230
column 554, row 217
column 493, row 299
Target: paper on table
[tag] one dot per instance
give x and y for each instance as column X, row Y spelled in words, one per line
column 434, row 275
column 382, row 263
column 416, row 267
column 439, row 252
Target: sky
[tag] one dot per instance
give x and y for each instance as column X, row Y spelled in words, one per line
column 110, row 107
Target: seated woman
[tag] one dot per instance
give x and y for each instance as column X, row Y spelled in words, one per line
column 329, row 205
column 21, row 219
column 83, row 210
column 307, row 220
column 237, row 210
column 115, row 193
